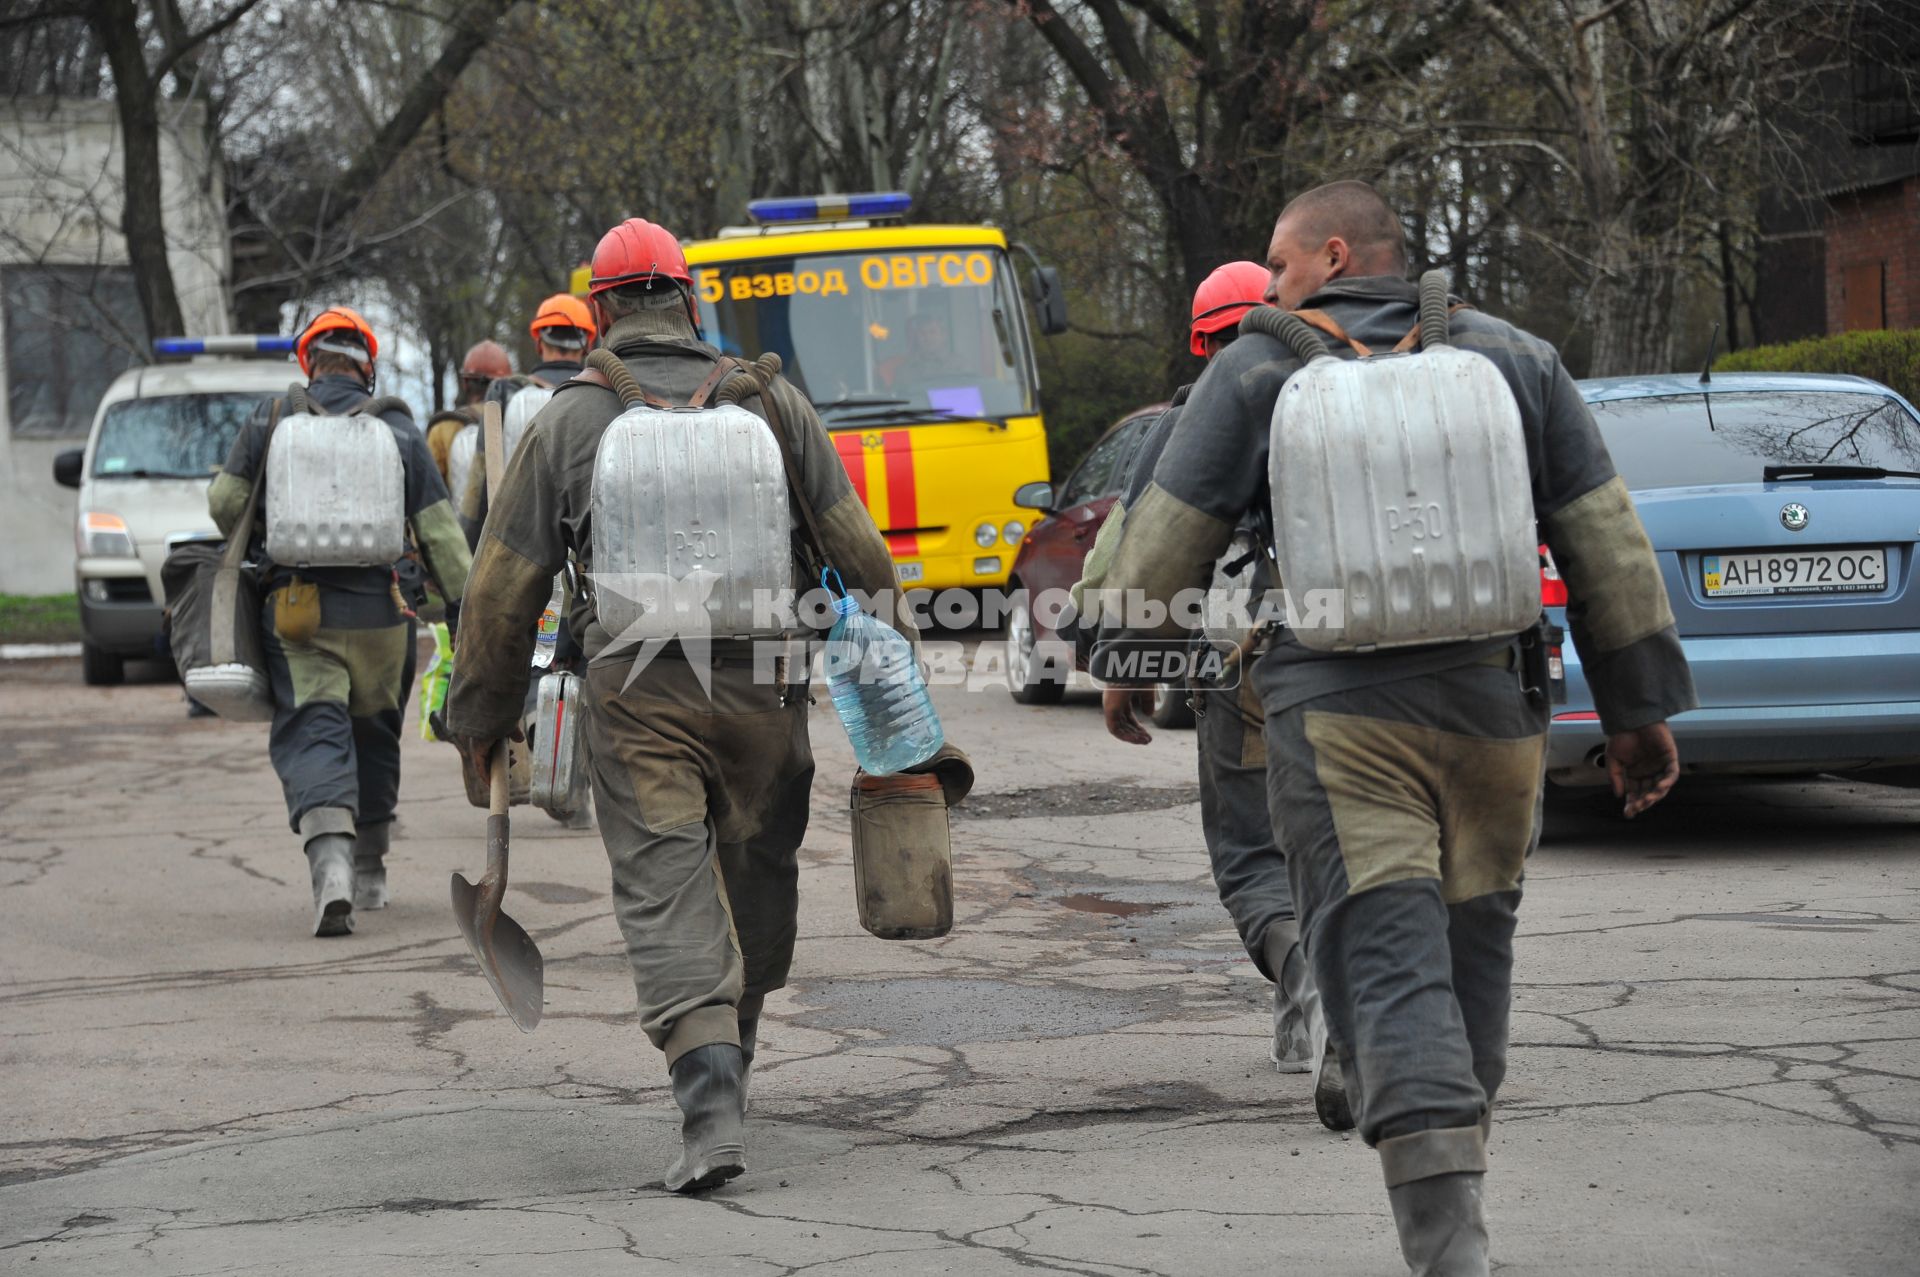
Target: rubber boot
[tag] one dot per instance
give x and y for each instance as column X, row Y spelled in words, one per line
column 330, row 863
column 370, row 865
column 708, row 1084
column 1329, row 1079
column 1292, row 1049
column 1443, row 1225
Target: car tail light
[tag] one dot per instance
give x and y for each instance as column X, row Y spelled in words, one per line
column 1553, row 591
column 1577, row 716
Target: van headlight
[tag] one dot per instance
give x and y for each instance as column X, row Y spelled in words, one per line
column 1013, row 531
column 985, row 535
column 103, row 536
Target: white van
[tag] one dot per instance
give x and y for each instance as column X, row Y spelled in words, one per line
column 158, row 435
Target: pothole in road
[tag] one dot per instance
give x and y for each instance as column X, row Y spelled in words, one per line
column 1098, row 798
column 950, row 1012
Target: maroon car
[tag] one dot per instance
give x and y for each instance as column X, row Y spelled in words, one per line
column 1040, row 661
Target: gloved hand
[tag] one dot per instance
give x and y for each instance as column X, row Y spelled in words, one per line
column 453, row 621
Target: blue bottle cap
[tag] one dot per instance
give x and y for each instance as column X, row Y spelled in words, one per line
column 844, row 606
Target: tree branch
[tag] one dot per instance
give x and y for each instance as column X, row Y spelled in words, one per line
column 176, row 51
column 1520, row 43
column 426, row 95
column 1159, row 16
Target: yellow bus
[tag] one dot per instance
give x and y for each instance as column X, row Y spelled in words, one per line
column 913, row 343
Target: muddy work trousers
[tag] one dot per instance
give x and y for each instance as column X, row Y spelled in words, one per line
column 702, row 804
column 338, row 694
column 1248, row 870
column 1408, row 810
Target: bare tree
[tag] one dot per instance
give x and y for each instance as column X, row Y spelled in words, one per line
column 1663, row 112
column 1202, row 98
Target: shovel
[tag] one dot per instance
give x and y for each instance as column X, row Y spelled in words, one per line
column 507, row 955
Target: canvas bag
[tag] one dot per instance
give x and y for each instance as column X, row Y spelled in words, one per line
column 213, row 615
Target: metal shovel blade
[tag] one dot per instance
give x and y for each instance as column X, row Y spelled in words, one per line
column 507, row 955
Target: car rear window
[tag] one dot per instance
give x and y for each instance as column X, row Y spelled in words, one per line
column 170, row 436
column 1668, row 442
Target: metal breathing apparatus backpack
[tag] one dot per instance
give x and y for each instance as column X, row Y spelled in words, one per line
column 1400, row 482
column 460, row 454
column 520, row 411
column 336, row 492
column 692, row 529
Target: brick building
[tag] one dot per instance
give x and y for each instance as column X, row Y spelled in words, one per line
column 1848, row 257
column 1873, row 255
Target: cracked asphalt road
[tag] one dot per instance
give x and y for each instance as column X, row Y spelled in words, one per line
column 1716, row 1065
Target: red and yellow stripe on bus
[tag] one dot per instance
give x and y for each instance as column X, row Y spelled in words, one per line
column 883, row 476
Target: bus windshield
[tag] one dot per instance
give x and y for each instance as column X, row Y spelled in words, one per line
column 909, row 335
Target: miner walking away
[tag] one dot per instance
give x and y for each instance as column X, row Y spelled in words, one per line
column 1406, row 732
column 701, row 770
column 350, row 490
column 1249, row 871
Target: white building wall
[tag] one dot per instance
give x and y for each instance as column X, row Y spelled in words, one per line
column 60, row 204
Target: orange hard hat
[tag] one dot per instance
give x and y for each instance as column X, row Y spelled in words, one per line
column 486, row 359
column 1223, row 297
column 336, row 319
column 563, row 311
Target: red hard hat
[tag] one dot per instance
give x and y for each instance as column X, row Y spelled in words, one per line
column 334, row 319
column 486, row 359
column 1224, row 296
column 637, row 250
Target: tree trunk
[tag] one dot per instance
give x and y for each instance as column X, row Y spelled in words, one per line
column 116, row 22
column 1632, row 307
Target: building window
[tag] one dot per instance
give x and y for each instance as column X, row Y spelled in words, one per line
column 1863, row 296
column 70, row 331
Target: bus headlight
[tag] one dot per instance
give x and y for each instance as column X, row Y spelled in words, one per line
column 103, row 536
column 1014, row 531
column 985, row 535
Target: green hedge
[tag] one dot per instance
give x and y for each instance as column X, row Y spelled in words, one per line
column 1889, row 357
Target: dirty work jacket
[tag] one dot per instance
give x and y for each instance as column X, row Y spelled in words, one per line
column 442, row 427
column 428, row 511
column 543, row 513
column 1214, row 471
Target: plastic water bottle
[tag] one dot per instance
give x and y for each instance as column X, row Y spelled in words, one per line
column 879, row 694
column 546, row 639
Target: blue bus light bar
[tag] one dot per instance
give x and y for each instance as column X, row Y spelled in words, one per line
column 256, row 345
column 831, row 208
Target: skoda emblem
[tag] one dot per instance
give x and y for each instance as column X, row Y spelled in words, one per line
column 1794, row 516
column 874, row 441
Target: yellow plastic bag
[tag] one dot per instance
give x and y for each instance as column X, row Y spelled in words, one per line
column 434, row 682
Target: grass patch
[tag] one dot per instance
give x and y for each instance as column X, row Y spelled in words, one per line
column 39, row 618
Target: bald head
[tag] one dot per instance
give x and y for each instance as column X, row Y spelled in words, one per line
column 1340, row 229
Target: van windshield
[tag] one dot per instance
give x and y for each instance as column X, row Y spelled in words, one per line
column 170, row 436
column 910, row 335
